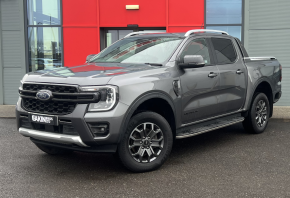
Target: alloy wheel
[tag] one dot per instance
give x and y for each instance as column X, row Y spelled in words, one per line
column 261, row 113
column 146, row 142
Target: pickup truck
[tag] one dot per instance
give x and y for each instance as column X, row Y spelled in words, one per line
column 141, row 93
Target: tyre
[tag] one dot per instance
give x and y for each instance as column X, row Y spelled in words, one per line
column 53, row 150
column 258, row 116
column 146, row 143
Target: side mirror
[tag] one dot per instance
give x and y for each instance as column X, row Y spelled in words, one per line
column 89, row 57
column 192, row 61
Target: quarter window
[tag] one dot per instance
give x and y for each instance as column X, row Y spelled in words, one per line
column 197, row 47
column 224, row 50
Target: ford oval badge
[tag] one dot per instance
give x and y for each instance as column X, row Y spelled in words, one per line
column 44, row 95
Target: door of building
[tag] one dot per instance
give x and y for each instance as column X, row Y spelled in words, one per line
column 111, row 35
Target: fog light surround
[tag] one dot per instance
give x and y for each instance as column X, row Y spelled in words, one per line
column 99, row 129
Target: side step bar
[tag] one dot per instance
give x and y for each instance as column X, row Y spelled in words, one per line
column 194, row 130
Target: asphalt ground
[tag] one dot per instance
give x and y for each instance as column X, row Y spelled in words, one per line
column 223, row 163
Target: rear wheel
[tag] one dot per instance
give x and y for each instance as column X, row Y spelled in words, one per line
column 53, row 150
column 147, row 142
column 258, row 117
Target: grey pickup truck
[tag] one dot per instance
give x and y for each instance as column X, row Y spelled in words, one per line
column 146, row 90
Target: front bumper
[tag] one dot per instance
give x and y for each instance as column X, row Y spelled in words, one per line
column 52, row 137
column 79, row 119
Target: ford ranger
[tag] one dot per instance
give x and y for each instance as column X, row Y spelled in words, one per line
column 142, row 92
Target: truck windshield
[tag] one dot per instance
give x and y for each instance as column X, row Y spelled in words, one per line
column 139, row 50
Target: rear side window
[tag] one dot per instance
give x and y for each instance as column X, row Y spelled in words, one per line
column 224, row 50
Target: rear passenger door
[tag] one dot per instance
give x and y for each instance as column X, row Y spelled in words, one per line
column 232, row 89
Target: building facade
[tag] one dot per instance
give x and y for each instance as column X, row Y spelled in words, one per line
column 44, row 34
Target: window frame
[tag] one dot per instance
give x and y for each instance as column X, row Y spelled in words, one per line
column 212, row 59
column 242, row 24
column 26, row 26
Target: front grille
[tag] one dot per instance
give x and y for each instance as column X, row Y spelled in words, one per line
column 52, row 88
column 64, row 98
column 50, row 107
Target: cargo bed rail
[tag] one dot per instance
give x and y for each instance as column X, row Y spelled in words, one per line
column 259, row 58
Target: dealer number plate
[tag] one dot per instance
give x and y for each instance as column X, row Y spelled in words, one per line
column 49, row 120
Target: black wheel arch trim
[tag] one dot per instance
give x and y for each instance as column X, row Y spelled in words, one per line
column 258, row 82
column 138, row 101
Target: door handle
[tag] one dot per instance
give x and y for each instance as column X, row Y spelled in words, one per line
column 212, row 74
column 239, row 71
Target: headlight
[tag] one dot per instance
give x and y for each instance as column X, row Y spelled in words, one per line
column 108, row 97
column 21, row 85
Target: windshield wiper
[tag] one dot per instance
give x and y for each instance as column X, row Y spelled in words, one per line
column 154, row 64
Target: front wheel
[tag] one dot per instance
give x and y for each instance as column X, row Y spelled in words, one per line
column 146, row 143
column 258, row 117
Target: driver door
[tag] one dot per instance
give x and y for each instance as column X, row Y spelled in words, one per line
column 199, row 85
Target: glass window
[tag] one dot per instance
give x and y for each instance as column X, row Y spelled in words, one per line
column 139, row 50
column 114, row 35
column 223, row 11
column 234, row 31
column 44, row 48
column 44, row 34
column 225, row 15
column 224, row 50
column 197, row 47
column 43, row 12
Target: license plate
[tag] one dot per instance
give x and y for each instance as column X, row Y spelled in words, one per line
column 43, row 119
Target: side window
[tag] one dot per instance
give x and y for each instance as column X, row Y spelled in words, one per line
column 224, row 50
column 197, row 47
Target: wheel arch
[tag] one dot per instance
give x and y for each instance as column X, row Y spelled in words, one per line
column 145, row 98
column 263, row 86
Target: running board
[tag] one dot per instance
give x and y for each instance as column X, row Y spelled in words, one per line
column 200, row 128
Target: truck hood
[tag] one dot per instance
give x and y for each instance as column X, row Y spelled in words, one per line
column 87, row 74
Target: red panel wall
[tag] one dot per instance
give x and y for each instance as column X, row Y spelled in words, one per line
column 80, row 30
column 184, row 15
column 80, row 12
column 82, row 20
column 151, row 13
column 78, row 43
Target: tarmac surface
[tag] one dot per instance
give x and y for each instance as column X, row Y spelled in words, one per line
column 225, row 163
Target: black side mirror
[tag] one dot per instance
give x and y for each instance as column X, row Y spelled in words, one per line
column 192, row 61
column 89, row 57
